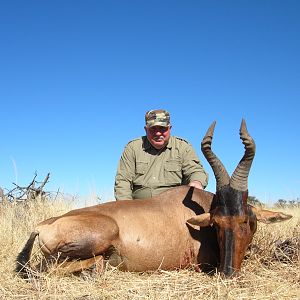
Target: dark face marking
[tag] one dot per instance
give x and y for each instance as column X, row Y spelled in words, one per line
column 229, row 250
column 235, row 224
column 231, row 201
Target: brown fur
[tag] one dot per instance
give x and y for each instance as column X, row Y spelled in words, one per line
column 136, row 235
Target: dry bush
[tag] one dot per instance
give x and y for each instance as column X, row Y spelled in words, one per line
column 269, row 270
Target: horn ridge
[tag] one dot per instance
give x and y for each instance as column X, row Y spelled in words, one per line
column 239, row 178
column 221, row 175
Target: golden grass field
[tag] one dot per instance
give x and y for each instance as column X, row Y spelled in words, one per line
column 267, row 272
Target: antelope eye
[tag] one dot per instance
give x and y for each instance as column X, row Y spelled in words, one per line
column 246, row 220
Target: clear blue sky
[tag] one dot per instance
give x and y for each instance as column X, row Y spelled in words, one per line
column 76, row 78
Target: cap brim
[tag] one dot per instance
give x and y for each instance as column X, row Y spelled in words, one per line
column 162, row 124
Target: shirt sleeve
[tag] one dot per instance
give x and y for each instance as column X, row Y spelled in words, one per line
column 192, row 168
column 125, row 174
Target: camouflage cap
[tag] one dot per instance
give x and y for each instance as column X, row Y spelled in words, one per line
column 157, row 117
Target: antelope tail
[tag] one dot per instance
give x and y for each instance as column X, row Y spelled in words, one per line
column 23, row 257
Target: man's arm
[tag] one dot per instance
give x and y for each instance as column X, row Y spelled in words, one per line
column 196, row 184
column 192, row 169
column 125, row 174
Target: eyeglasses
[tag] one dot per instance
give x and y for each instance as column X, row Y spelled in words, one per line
column 161, row 129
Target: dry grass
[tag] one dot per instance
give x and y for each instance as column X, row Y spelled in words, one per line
column 269, row 272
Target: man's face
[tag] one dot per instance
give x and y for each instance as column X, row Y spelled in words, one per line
column 158, row 136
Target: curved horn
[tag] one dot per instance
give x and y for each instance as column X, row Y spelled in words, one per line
column 222, row 177
column 239, row 178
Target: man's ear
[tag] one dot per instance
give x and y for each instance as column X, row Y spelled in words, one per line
column 267, row 216
column 202, row 220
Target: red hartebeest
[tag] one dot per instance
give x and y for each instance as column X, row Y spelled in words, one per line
column 161, row 232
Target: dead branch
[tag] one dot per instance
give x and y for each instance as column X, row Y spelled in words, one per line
column 29, row 192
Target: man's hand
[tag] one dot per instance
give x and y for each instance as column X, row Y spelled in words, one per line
column 196, row 184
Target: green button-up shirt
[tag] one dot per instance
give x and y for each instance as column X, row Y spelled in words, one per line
column 144, row 171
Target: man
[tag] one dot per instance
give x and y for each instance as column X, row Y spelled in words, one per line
column 156, row 162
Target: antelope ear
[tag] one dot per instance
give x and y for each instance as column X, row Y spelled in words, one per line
column 202, row 220
column 267, row 216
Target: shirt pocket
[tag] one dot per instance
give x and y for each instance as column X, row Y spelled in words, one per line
column 141, row 167
column 173, row 174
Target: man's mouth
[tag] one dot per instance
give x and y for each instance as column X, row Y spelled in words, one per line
column 159, row 139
